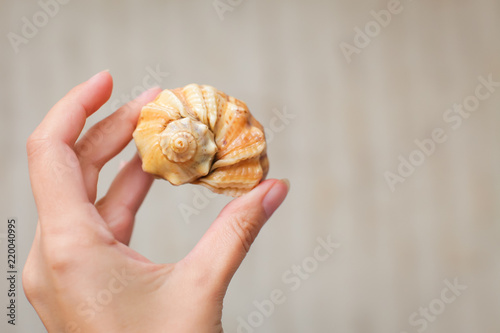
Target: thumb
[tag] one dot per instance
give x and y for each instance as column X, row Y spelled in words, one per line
column 221, row 250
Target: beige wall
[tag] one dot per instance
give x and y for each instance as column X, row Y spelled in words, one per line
column 351, row 122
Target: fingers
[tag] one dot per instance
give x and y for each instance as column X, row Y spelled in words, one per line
column 125, row 196
column 107, row 138
column 54, row 169
column 66, row 119
column 226, row 243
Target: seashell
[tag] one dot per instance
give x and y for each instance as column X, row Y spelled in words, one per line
column 197, row 134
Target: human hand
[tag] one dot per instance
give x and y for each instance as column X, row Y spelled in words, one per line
column 80, row 275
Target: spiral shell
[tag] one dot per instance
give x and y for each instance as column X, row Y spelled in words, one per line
column 197, row 134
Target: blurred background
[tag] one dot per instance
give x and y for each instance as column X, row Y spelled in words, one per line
column 384, row 115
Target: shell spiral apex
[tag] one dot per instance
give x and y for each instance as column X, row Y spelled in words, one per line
column 197, row 134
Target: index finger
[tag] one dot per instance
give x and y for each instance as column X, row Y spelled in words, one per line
column 55, row 174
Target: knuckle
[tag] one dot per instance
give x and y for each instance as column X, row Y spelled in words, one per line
column 124, row 119
column 245, row 229
column 88, row 145
column 30, row 286
column 31, row 282
column 59, row 260
column 59, row 255
column 120, row 223
column 122, row 114
column 37, row 143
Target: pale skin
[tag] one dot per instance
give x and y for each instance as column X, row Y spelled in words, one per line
column 80, row 275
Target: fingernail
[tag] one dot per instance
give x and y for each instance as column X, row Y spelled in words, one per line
column 275, row 196
column 148, row 91
column 93, row 78
column 286, row 182
column 122, row 164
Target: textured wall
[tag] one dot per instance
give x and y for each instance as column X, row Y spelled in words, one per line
column 336, row 126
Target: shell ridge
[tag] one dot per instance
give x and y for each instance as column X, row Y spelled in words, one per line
column 193, row 97
column 198, row 134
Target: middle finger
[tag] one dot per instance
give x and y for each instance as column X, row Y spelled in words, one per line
column 107, row 138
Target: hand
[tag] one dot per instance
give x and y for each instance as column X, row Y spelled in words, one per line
column 80, row 275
